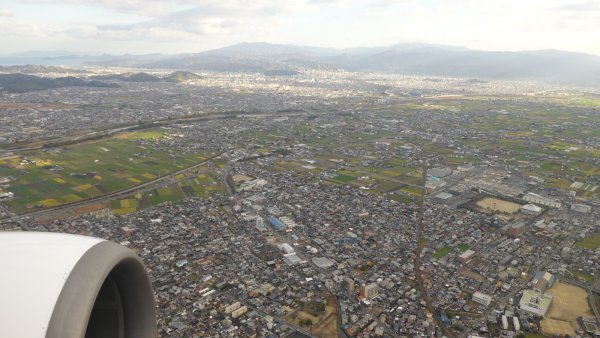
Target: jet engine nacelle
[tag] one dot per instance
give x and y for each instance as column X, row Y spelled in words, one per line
column 67, row 286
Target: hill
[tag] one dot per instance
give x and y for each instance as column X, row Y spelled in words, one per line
column 417, row 59
column 135, row 77
column 21, row 83
column 181, row 76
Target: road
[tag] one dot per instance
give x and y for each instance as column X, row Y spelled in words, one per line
column 372, row 174
column 417, row 262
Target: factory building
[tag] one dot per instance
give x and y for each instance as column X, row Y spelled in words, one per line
column 538, row 199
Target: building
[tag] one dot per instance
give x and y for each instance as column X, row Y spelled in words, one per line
column 542, row 281
column 589, row 326
column 239, row 312
column 229, row 309
column 322, row 262
column 545, row 201
column 516, row 324
column 292, row 258
column 285, row 247
column 369, row 291
column 482, row 298
column 535, row 302
column 515, row 229
column 531, row 209
column 276, row 223
column 466, row 256
column 260, row 224
column 586, row 209
column 504, row 322
column 6, row 195
column 443, row 195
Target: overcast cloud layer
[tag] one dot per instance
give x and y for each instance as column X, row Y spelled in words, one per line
column 176, row 26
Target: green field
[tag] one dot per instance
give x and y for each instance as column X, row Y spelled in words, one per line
column 463, row 247
column 47, row 178
column 441, row 252
column 591, row 243
column 532, row 335
column 587, row 277
column 341, row 179
column 198, row 185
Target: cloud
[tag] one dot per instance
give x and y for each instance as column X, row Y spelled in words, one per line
column 210, row 17
column 5, row 13
column 585, row 6
column 27, row 31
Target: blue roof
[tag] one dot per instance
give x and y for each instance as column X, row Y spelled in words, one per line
column 276, row 223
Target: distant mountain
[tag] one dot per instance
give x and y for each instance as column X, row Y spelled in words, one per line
column 64, row 58
column 21, row 83
column 281, row 72
column 36, row 69
column 135, row 77
column 418, row 59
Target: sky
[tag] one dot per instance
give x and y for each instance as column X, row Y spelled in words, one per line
column 187, row 26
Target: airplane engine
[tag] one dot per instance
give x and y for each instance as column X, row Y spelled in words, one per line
column 68, row 286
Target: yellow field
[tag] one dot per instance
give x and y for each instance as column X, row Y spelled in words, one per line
column 59, row 180
column 495, row 204
column 71, row 198
column 82, row 187
column 124, row 211
column 149, row 176
column 569, row 303
column 51, row 202
column 134, row 180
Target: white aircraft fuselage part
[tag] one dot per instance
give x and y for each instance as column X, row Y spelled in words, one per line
column 50, row 285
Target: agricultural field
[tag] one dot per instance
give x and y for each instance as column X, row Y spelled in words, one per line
column 591, row 243
column 441, row 252
column 56, row 176
column 200, row 184
column 463, row 247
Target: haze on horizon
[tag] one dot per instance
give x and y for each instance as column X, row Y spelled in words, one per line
column 182, row 26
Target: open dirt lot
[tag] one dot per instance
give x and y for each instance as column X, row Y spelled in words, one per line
column 556, row 327
column 569, row 303
column 328, row 327
column 495, row 204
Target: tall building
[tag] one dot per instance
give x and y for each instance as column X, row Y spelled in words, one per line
column 369, row 291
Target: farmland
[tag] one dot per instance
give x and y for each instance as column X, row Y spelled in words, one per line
column 52, row 177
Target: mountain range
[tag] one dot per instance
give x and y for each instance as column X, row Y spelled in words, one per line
column 418, row 59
